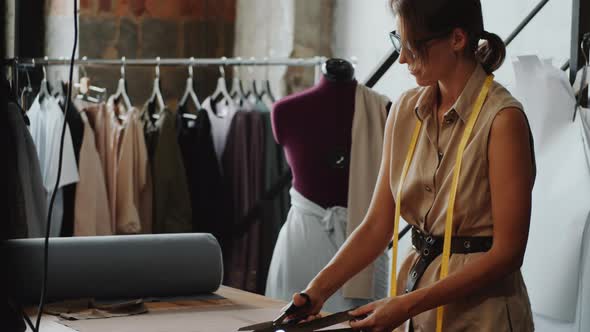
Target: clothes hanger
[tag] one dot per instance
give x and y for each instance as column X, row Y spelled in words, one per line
column 189, row 92
column 266, row 87
column 220, row 93
column 255, row 91
column 255, row 94
column 121, row 92
column 237, row 91
column 61, row 94
column 258, row 94
column 44, row 87
column 28, row 89
column 156, row 96
column 84, row 88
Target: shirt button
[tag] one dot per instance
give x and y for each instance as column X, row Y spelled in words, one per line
column 427, row 188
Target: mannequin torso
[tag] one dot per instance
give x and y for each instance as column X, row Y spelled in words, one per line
column 315, row 128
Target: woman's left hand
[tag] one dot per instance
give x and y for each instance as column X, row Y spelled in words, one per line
column 383, row 315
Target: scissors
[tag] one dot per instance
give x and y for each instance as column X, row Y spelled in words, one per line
column 278, row 324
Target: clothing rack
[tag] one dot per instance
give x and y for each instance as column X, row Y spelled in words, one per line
column 301, row 62
column 580, row 8
column 18, row 64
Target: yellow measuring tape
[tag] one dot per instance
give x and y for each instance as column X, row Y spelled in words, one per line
column 452, row 196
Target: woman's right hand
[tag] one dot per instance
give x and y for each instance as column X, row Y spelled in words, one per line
column 311, row 311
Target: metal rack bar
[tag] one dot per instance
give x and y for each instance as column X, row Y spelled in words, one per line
column 525, row 21
column 303, row 62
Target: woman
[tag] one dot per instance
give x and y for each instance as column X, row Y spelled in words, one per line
column 446, row 48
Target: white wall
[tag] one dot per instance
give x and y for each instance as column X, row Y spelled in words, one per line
column 264, row 28
column 361, row 30
column 59, row 37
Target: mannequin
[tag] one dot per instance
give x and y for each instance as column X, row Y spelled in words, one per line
column 314, row 127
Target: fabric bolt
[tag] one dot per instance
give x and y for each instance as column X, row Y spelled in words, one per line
column 76, row 125
column 171, row 201
column 500, row 307
column 221, row 117
column 368, row 128
column 15, row 206
column 243, row 163
column 323, row 232
column 202, row 172
column 29, row 173
column 91, row 211
column 46, row 123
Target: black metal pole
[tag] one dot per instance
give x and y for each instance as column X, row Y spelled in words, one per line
column 580, row 27
column 16, row 47
column 525, row 21
column 383, row 67
column 566, row 65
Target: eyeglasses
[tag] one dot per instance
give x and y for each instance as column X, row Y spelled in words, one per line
column 396, row 40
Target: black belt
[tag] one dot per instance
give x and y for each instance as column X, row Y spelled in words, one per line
column 429, row 247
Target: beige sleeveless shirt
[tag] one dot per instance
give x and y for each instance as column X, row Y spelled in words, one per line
column 503, row 306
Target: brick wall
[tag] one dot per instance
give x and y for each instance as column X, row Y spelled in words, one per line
column 151, row 28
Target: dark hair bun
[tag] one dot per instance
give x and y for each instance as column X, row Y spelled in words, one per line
column 492, row 52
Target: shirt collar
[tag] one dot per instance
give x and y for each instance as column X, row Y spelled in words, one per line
column 464, row 104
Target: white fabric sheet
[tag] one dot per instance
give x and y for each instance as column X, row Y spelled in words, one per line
column 554, row 267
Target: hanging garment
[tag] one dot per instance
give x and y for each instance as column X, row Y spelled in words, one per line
column 243, row 164
column 12, row 207
column 171, row 205
column 107, row 145
column 557, row 261
column 221, row 117
column 133, row 178
column 91, row 212
column 122, row 150
column 76, row 125
column 202, row 172
column 275, row 210
column 500, row 307
column 18, row 148
column 368, row 127
column 47, row 121
column 312, row 231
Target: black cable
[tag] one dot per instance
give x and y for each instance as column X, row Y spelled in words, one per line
column 59, row 168
column 21, row 311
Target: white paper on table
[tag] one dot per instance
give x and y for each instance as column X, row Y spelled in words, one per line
column 561, row 197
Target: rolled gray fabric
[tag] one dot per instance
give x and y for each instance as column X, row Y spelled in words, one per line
column 114, row 267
